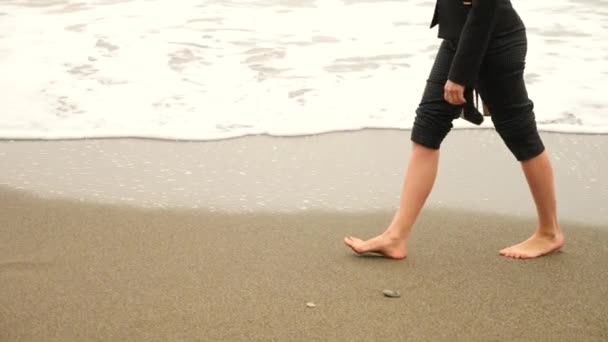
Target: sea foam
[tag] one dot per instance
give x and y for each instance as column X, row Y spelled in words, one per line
column 201, row 70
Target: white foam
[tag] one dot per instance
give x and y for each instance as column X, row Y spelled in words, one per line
column 182, row 70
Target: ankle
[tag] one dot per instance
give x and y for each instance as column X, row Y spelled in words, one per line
column 394, row 233
column 549, row 232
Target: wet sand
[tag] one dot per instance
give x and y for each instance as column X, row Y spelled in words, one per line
column 349, row 171
column 75, row 267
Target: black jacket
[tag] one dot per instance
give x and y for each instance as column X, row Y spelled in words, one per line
column 473, row 25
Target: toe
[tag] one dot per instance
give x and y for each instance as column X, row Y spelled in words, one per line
column 522, row 256
column 354, row 239
column 506, row 249
column 348, row 241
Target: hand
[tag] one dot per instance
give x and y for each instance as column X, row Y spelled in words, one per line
column 453, row 93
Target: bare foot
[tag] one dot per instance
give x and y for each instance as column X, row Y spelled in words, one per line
column 382, row 244
column 537, row 245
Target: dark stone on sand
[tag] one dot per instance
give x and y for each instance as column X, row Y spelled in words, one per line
column 391, row 293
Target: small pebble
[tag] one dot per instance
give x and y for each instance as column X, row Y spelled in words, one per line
column 311, row 305
column 391, row 294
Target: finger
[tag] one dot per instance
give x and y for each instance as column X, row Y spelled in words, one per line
column 460, row 96
column 455, row 95
column 446, row 95
column 450, row 98
column 447, row 99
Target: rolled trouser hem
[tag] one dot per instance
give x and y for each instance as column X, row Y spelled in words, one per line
column 521, row 136
column 431, row 126
column 529, row 153
column 424, row 140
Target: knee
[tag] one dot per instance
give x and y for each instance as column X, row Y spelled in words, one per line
column 521, row 136
column 430, row 128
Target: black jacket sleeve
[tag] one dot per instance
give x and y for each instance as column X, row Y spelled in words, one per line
column 473, row 42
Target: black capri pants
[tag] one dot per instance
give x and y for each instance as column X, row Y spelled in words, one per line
column 501, row 87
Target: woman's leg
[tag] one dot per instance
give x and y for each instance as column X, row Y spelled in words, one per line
column 417, row 185
column 433, row 121
column 548, row 236
column 503, row 88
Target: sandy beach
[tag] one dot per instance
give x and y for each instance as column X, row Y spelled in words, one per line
column 145, row 240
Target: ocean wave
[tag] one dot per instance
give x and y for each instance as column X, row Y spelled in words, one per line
column 186, row 71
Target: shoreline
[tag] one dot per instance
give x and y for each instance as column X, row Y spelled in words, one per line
column 352, row 171
column 286, row 136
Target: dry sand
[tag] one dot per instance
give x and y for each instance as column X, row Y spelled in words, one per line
column 79, row 270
